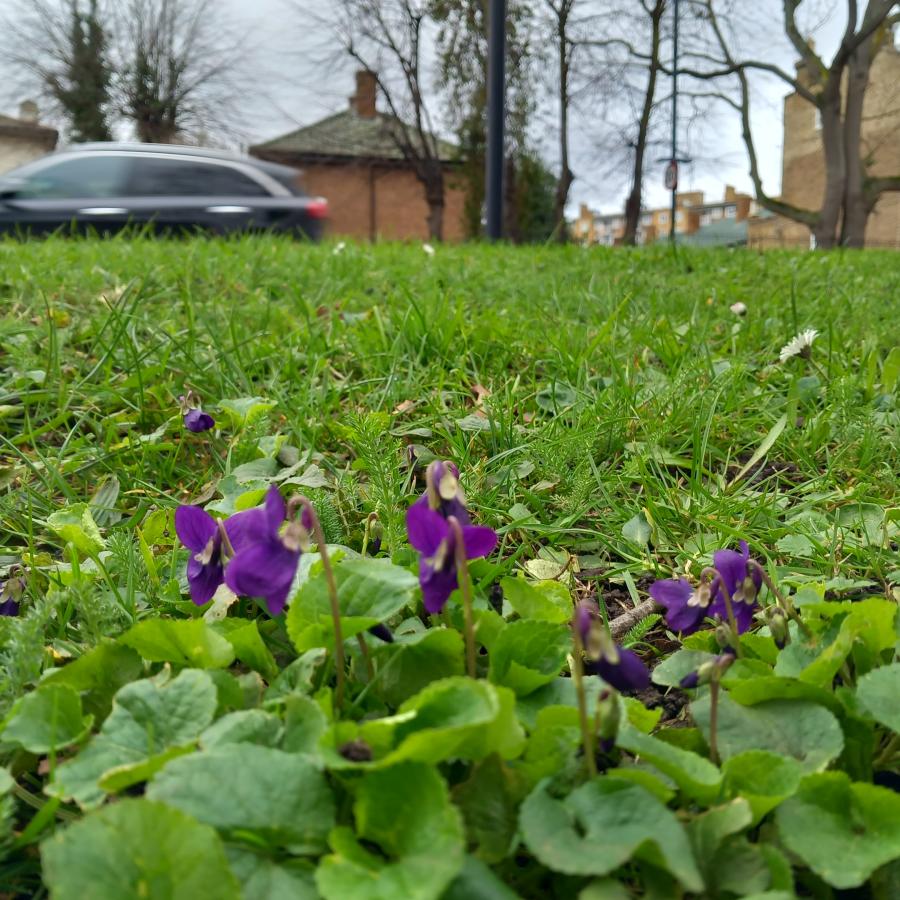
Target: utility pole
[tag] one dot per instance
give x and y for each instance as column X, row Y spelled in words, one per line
column 496, row 115
column 674, row 161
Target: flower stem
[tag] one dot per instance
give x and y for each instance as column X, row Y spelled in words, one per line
column 370, row 521
column 884, row 758
column 364, row 649
column 788, row 608
column 714, row 720
column 465, row 586
column 339, row 662
column 732, row 621
column 587, row 737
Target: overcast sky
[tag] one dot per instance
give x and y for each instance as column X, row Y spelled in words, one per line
column 297, row 76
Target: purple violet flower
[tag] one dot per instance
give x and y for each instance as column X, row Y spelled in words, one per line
column 11, row 594
column 202, row 535
column 617, row 666
column 266, row 563
column 195, row 419
column 687, row 606
column 432, row 535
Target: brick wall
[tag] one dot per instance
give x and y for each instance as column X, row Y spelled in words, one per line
column 367, row 200
column 803, row 164
column 16, row 151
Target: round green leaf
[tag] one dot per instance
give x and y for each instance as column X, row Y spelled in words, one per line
column 137, row 850
column 406, row 811
column 762, row 778
column 842, row 830
column 74, row 524
column 453, row 718
column 879, row 693
column 795, row 728
column 150, row 721
column 529, row 653
column 546, row 600
column 415, row 660
column 603, row 824
column 262, row 878
column 182, row 642
column 369, row 591
column 47, row 719
column 281, row 797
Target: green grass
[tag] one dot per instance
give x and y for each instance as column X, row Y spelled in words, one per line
column 665, row 392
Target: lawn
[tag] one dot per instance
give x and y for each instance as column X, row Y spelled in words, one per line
column 613, row 419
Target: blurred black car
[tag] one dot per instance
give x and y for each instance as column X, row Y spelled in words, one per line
column 168, row 188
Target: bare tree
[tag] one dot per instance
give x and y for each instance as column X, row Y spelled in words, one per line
column 61, row 47
column 836, row 88
column 386, row 37
column 179, row 67
column 561, row 13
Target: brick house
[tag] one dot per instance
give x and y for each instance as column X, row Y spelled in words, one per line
column 354, row 161
column 693, row 216
column 803, row 163
column 24, row 138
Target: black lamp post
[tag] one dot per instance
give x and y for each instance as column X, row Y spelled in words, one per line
column 496, row 114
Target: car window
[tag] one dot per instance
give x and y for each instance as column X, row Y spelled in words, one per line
column 103, row 175
column 190, row 178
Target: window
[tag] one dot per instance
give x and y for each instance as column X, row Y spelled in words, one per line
column 646, row 220
column 87, row 176
column 730, row 211
column 679, row 216
column 717, row 213
column 705, row 219
column 191, row 178
column 663, row 218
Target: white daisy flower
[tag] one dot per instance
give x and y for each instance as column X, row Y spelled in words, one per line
column 428, row 249
column 799, row 345
column 338, row 248
column 739, row 309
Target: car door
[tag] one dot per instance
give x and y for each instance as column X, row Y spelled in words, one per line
column 79, row 191
column 184, row 193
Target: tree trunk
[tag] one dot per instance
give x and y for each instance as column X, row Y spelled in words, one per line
column 856, row 204
column 633, row 203
column 565, row 173
column 433, row 181
column 826, row 227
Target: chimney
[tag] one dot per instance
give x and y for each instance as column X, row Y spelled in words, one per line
column 28, row 111
column 730, row 193
column 363, row 101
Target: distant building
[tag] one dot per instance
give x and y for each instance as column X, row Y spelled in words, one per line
column 803, row 163
column 695, row 221
column 354, row 161
column 24, row 138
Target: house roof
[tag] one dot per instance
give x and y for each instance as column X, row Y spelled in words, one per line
column 13, row 127
column 347, row 134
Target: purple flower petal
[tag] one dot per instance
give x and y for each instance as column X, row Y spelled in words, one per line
column 743, row 612
column 585, row 614
column 9, row 608
column 732, row 566
column 437, row 586
column 195, row 527
column 196, row 420
column 247, row 527
column 204, row 580
column 674, row 594
column 275, row 510
column 425, row 528
column 264, row 569
column 479, row 540
column 629, row 674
